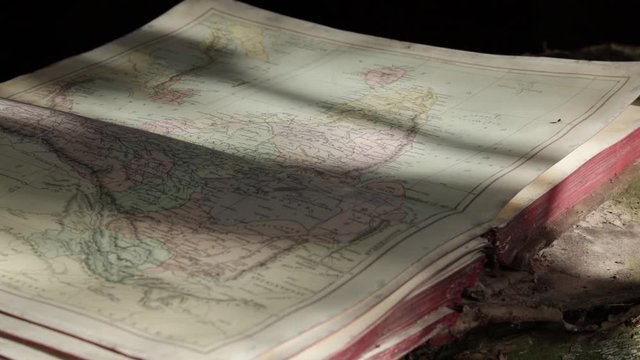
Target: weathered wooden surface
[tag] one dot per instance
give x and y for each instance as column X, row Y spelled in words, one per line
column 539, row 343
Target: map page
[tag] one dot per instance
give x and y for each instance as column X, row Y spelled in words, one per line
column 226, row 180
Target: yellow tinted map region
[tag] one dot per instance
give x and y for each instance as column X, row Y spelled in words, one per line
column 226, row 178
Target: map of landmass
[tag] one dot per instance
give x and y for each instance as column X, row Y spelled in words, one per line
column 161, row 208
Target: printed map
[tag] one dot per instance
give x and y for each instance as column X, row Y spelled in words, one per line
column 203, row 183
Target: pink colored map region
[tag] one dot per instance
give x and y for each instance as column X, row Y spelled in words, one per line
column 378, row 78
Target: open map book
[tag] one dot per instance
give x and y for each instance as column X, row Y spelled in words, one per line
column 227, row 183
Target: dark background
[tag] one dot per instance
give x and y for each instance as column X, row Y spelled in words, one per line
column 36, row 34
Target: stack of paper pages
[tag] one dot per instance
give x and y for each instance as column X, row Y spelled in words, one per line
column 228, row 183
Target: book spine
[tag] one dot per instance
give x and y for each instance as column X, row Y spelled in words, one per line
column 539, row 223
